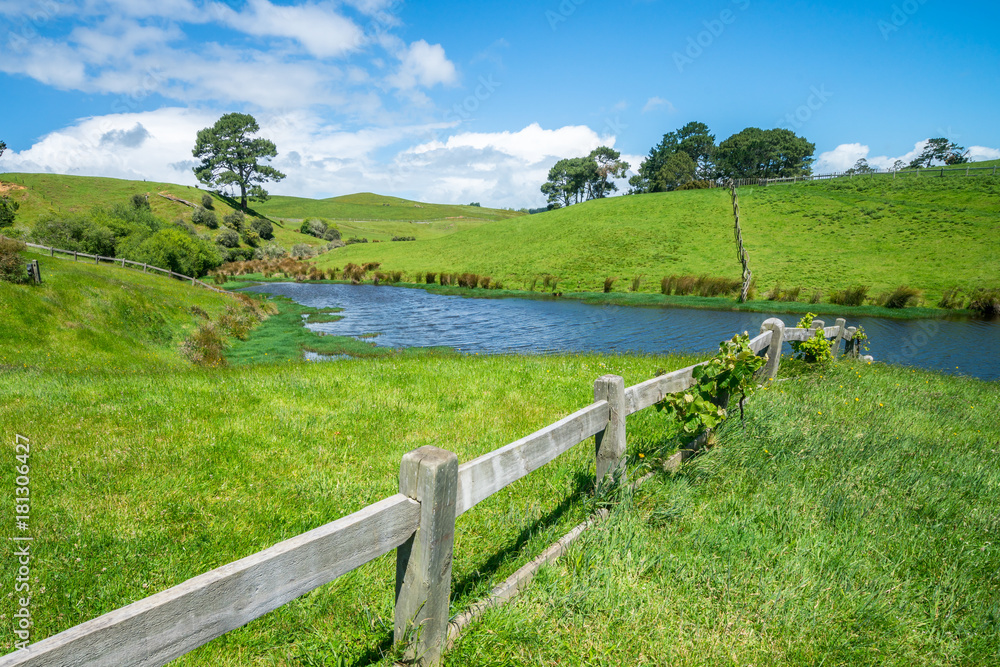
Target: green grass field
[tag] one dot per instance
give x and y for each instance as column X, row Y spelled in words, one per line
column 366, row 206
column 929, row 233
column 850, row 520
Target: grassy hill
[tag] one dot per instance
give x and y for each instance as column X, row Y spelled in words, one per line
column 930, row 233
column 365, row 215
column 368, row 206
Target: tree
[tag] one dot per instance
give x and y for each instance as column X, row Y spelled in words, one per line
column 8, row 209
column 940, row 150
column 756, row 153
column 898, row 164
column 694, row 140
column 861, row 167
column 229, row 156
column 3, row 147
column 568, row 180
column 609, row 165
column 678, row 169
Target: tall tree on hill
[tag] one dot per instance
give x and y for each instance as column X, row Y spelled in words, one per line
column 756, row 153
column 942, row 151
column 609, row 165
column 569, row 181
column 3, row 147
column 695, row 141
column 229, row 156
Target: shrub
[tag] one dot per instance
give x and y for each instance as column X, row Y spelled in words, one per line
column 404, row 238
column 986, row 302
column 444, row 279
column 251, row 238
column 205, row 346
column 355, row 239
column 952, row 299
column 685, row 285
column 228, row 238
column 317, row 228
column 8, row 208
column 852, row 296
column 901, row 297
column 200, row 312
column 202, row 216
column 484, row 282
column 696, row 185
column 302, row 251
column 207, row 201
column 429, row 278
column 140, row 202
column 468, row 280
column 239, row 254
column 397, row 276
column 354, row 273
column 817, row 349
column 269, row 251
column 263, row 227
column 331, row 234
column 608, row 284
column 176, row 251
column 234, row 220
column 371, row 266
column 12, row 266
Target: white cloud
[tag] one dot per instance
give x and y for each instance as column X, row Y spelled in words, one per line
column 654, row 103
column 425, row 65
column 321, row 30
column 978, row 153
column 320, row 160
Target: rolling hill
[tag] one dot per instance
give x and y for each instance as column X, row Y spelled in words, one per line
column 929, row 233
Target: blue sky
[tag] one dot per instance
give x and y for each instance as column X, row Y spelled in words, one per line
column 455, row 102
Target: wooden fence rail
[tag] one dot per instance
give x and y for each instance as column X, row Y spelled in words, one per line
column 121, row 261
column 418, row 522
column 929, row 171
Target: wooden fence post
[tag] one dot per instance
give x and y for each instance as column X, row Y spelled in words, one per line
column 428, row 475
column 74, row 256
column 777, row 328
column 610, row 443
column 841, row 328
column 851, row 347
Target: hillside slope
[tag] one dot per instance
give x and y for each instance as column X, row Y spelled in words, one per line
column 930, row 233
column 84, row 316
column 368, row 206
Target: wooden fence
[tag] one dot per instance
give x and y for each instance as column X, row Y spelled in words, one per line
column 418, row 522
column 121, row 261
column 926, row 172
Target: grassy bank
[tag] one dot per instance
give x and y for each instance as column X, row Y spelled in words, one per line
column 852, row 521
column 932, row 234
column 366, row 206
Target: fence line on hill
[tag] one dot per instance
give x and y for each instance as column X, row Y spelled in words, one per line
column 120, row 261
column 933, row 171
column 418, row 522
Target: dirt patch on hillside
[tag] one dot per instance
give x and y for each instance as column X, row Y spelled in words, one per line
column 6, row 188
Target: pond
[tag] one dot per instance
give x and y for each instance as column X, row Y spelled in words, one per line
column 406, row 317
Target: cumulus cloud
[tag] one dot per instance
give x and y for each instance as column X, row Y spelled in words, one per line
column 423, row 64
column 321, row 160
column 977, row 153
column 844, row 156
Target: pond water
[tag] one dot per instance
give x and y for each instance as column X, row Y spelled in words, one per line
column 406, row 317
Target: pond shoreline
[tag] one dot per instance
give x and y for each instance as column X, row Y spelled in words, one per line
column 650, row 300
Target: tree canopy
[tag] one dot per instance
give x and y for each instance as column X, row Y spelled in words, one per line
column 756, row 153
column 695, row 142
column 230, row 156
column 572, row 180
column 940, row 150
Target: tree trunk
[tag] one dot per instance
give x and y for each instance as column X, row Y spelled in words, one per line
column 243, row 196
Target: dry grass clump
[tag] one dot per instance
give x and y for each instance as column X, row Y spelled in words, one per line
column 12, row 265
column 852, row 296
column 986, row 301
column 901, row 297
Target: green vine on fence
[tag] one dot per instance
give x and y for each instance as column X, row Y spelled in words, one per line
column 816, row 349
column 731, row 372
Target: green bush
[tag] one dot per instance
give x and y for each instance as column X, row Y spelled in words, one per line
column 202, row 216
column 817, row 349
column 239, row 254
column 331, row 234
column 205, row 346
column 207, row 201
column 251, row 238
column 228, row 238
column 12, row 265
column 264, row 228
column 140, row 202
column 176, row 251
column 302, row 251
column 8, row 208
column 235, row 220
column 317, row 228
column 269, row 251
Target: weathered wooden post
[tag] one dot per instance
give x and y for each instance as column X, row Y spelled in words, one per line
column 851, row 348
column 123, row 262
column 841, row 328
column 818, row 324
column 74, row 256
column 777, row 328
column 52, row 251
column 144, row 267
column 610, row 443
column 428, row 475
